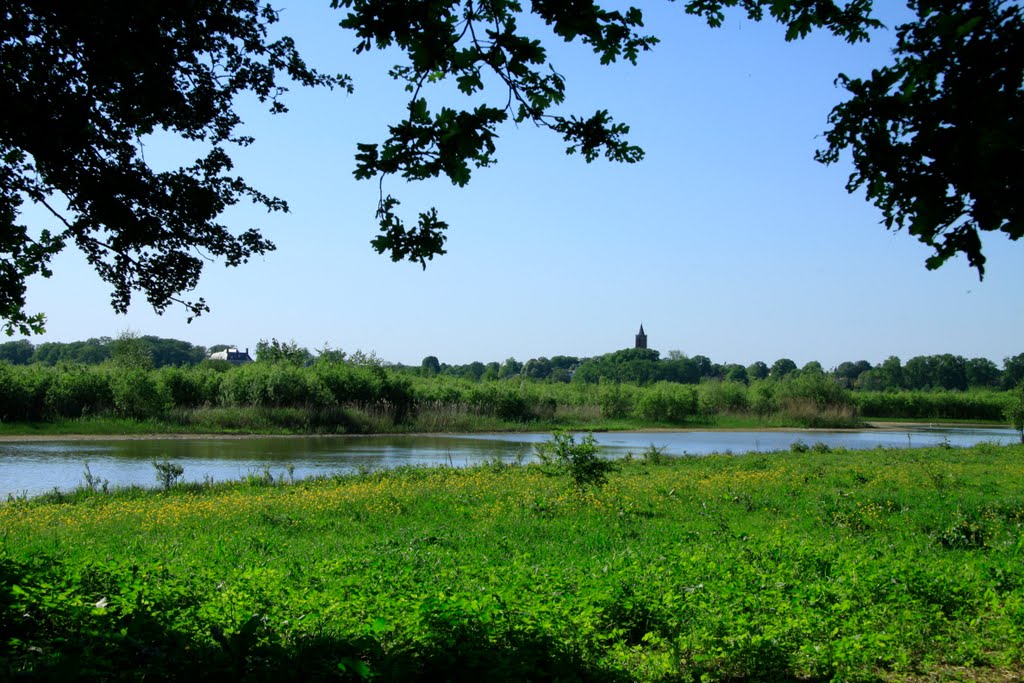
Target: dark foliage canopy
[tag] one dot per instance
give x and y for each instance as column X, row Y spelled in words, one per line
column 935, row 137
column 938, row 137
column 82, row 85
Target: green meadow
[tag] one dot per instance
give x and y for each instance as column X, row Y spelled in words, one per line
column 883, row 565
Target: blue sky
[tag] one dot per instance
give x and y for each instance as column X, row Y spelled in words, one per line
column 728, row 240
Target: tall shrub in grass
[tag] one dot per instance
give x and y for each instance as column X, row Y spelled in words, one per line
column 761, row 397
column 617, row 400
column 351, row 384
column 813, row 399
column 369, row 387
column 274, row 385
column 440, row 391
column 138, row 395
column 24, row 390
column 820, row 389
column 715, row 397
column 79, row 390
column 12, row 393
column 578, row 460
column 190, row 387
column 666, row 402
column 961, row 405
column 501, row 399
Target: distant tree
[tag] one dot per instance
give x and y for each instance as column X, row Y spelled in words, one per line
column 17, row 352
column 173, row 351
column 89, row 352
column 1013, row 371
column 131, row 352
column 475, row 370
column 510, row 368
column 48, row 353
column 628, row 365
column 950, row 372
column 92, row 351
column 368, row 359
column 871, row 380
column 331, row 355
column 982, row 373
column 537, row 368
column 564, row 362
column 274, row 351
column 430, row 366
column 944, row 371
column 560, row 375
column 781, row 368
column 680, row 369
column 812, row 368
column 757, row 370
column 891, row 373
column 919, row 373
column 849, row 372
column 491, row 371
column 717, row 371
column 736, row 373
column 705, row 367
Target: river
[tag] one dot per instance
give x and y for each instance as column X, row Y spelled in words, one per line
column 34, row 467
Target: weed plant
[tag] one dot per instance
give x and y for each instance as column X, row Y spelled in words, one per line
column 877, row 565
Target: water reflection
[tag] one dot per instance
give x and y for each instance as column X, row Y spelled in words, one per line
column 35, row 467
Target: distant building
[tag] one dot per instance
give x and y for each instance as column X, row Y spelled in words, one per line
column 641, row 338
column 232, row 355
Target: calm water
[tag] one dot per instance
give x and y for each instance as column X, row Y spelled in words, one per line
column 36, row 467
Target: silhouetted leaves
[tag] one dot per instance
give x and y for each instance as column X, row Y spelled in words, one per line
column 938, row 138
column 83, row 85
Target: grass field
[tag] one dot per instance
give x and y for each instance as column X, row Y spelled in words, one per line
column 868, row 565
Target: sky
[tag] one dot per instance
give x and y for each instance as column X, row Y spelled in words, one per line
column 728, row 240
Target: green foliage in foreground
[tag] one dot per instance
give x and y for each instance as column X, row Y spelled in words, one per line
column 880, row 565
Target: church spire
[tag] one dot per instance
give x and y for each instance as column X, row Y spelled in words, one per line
column 641, row 338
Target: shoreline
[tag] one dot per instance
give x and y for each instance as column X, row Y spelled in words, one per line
column 879, row 425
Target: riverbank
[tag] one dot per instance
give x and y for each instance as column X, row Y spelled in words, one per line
column 109, row 429
column 884, row 565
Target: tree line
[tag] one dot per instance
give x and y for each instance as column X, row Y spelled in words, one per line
column 645, row 366
column 162, row 352
column 641, row 366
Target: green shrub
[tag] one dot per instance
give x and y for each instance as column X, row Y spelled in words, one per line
column 616, row 401
column 138, row 395
column 501, row 400
column 715, row 397
column 167, row 473
column 190, row 388
column 579, row 460
column 665, row 402
column 13, row 394
column 78, row 390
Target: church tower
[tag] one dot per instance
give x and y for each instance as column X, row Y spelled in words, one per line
column 641, row 338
